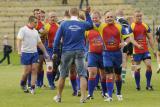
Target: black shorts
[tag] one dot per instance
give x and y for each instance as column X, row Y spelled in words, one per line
column 128, row 49
column 40, row 52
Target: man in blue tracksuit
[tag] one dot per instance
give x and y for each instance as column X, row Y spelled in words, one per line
column 71, row 33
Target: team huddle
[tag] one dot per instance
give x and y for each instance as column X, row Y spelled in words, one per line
column 86, row 48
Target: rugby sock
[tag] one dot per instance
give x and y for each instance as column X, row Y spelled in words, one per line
column 97, row 79
column 74, row 83
column 103, row 85
column 50, row 78
column 91, row 86
column 119, row 86
column 32, row 87
column 53, row 77
column 109, row 84
column 23, row 83
column 137, row 79
column 78, row 83
column 38, row 79
column 29, row 79
column 123, row 75
column 42, row 77
column 148, row 77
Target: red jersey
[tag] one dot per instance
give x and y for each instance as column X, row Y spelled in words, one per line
column 40, row 28
column 52, row 29
column 140, row 31
column 111, row 35
column 95, row 41
column 39, row 25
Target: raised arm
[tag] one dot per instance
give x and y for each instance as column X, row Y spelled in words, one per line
column 89, row 23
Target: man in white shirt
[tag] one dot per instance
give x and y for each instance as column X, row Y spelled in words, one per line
column 27, row 41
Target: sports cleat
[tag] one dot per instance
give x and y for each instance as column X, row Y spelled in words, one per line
column 52, row 87
column 89, row 97
column 158, row 70
column 82, row 100
column 150, row 88
column 138, row 88
column 119, row 97
column 109, row 99
column 24, row 88
column 74, row 94
column 105, row 95
column 32, row 91
column 57, row 99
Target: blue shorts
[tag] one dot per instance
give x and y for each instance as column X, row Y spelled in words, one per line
column 112, row 59
column 140, row 57
column 95, row 60
column 29, row 58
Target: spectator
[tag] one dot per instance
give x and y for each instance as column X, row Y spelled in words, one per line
column 64, row 1
column 7, row 49
column 81, row 3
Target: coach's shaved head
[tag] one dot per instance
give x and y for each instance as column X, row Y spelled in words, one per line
column 74, row 12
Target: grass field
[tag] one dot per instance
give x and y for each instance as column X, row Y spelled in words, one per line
column 12, row 96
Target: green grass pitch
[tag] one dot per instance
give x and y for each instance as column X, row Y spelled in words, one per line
column 12, row 96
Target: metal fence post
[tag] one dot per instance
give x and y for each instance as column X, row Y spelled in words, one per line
column 14, row 35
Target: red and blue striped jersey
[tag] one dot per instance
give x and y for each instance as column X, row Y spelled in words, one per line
column 95, row 41
column 111, row 35
column 52, row 29
column 140, row 31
